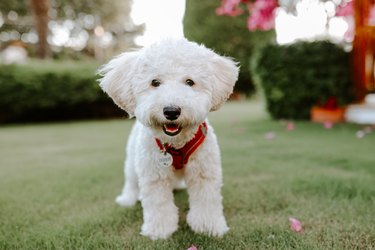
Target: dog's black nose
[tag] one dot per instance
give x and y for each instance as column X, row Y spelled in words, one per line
column 172, row 112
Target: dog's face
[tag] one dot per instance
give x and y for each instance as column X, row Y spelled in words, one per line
column 171, row 85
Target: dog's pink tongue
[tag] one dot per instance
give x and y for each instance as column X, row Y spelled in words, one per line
column 171, row 128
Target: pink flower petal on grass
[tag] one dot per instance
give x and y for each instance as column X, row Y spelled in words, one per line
column 328, row 125
column 290, row 126
column 295, row 225
column 192, row 248
column 270, row 135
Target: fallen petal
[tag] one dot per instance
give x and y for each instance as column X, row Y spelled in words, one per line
column 295, row 225
column 328, row 125
column 192, row 248
column 290, row 126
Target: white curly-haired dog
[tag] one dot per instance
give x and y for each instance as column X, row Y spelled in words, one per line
column 170, row 87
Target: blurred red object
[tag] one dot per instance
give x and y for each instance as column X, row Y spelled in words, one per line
column 364, row 48
column 322, row 114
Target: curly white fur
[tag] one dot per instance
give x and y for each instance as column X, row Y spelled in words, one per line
column 127, row 80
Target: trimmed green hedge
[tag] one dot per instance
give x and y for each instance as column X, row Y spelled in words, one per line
column 45, row 91
column 298, row 76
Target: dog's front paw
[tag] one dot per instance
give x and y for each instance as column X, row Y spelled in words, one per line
column 209, row 223
column 126, row 200
column 156, row 230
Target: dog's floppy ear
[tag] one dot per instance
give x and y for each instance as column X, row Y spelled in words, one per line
column 116, row 80
column 225, row 72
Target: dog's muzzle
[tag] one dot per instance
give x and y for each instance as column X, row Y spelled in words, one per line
column 172, row 113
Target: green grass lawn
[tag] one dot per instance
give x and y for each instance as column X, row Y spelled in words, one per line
column 58, row 183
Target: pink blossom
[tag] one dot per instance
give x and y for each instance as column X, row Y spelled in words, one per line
column 230, row 8
column 262, row 15
column 295, row 225
column 262, row 12
column 371, row 16
column 192, row 248
column 345, row 10
column 290, row 126
column 328, row 124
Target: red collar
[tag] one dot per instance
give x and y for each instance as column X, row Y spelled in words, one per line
column 181, row 156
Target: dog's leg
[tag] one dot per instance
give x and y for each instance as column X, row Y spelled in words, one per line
column 206, row 209
column 160, row 215
column 130, row 192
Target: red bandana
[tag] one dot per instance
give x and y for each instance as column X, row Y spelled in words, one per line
column 181, row 156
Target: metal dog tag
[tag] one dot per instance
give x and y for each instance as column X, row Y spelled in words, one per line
column 165, row 159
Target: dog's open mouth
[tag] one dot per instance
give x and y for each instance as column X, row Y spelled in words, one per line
column 171, row 129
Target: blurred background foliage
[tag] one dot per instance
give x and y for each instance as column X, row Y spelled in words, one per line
column 82, row 34
column 298, row 76
column 226, row 35
column 46, row 91
column 96, row 28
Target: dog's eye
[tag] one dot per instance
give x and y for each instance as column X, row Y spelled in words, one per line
column 155, row 83
column 190, row 82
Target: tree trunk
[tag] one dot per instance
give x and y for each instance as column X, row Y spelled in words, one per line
column 40, row 12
